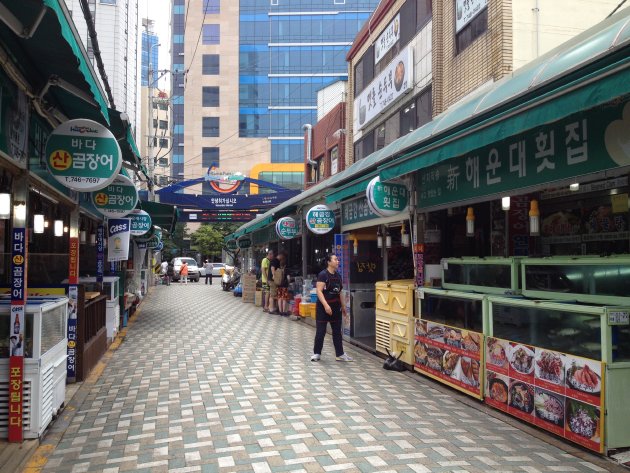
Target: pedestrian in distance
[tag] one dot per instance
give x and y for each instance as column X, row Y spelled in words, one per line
column 208, row 267
column 183, row 272
column 264, row 273
column 329, row 308
column 164, row 273
column 273, row 287
column 281, row 280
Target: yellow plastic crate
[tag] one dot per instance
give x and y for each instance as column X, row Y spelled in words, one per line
column 307, row 309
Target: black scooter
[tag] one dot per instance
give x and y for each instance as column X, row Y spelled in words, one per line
column 230, row 279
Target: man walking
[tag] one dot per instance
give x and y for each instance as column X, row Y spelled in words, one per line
column 264, row 274
column 183, row 272
column 208, row 267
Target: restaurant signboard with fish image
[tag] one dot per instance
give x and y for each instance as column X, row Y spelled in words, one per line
column 561, row 393
column 451, row 355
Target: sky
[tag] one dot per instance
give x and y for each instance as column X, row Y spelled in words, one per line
column 160, row 12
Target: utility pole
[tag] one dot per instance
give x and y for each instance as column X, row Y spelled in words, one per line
column 150, row 157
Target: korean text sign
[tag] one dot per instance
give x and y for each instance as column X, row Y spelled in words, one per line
column 118, row 239
column 117, row 199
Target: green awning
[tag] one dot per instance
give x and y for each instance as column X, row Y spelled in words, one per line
column 122, row 132
column 54, row 59
column 586, row 71
column 351, row 189
column 163, row 215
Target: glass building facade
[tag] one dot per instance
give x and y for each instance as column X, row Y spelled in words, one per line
column 288, row 50
column 149, row 40
column 177, row 87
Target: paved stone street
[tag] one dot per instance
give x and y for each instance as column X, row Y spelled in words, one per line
column 204, row 382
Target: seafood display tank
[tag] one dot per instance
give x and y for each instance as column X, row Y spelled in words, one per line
column 485, row 275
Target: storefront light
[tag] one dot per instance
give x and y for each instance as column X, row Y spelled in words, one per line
column 65, row 229
column 58, row 228
column 38, row 223
column 388, row 239
column 505, row 203
column 470, row 222
column 574, row 187
column 20, row 211
column 379, row 238
column 5, row 206
column 92, row 239
column 46, row 223
column 82, row 235
column 534, row 218
column 404, row 236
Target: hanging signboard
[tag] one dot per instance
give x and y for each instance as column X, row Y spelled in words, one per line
column 244, row 242
column 394, row 80
column 231, row 245
column 160, row 246
column 466, row 11
column 140, row 222
column 16, row 333
column 157, row 231
column 153, row 242
column 385, row 199
column 117, row 199
column 100, row 253
column 83, row 155
column 357, row 210
column 118, row 239
column 387, row 39
column 320, row 219
column 286, row 228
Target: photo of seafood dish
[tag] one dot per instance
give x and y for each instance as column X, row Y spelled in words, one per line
column 583, row 378
column 583, row 419
column 436, row 332
column 470, row 372
column 420, row 353
column 522, row 359
column 522, row 397
column 549, row 407
column 498, row 390
column 399, row 75
column 450, row 362
column 549, row 366
column 434, row 358
column 471, row 342
column 453, row 337
column 421, row 328
column 497, row 353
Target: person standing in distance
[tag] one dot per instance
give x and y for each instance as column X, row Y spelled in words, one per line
column 208, row 267
column 264, row 273
column 329, row 308
column 183, row 272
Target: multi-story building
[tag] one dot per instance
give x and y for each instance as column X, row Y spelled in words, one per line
column 246, row 92
column 117, row 27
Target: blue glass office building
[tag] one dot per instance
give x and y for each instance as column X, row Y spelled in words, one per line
column 289, row 49
column 177, row 90
column 149, row 40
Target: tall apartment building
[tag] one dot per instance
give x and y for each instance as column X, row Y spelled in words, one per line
column 117, row 27
column 251, row 72
column 438, row 52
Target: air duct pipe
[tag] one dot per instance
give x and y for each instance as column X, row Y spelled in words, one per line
column 309, row 143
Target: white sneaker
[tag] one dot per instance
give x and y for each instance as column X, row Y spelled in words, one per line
column 316, row 357
column 344, row 357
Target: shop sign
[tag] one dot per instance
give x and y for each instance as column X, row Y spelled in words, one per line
column 355, row 211
column 619, row 317
column 159, row 247
column 118, row 233
column 334, row 161
column 418, row 251
column 450, row 355
column 320, row 219
column 15, row 118
column 231, row 245
column 583, row 143
column 73, row 301
column 100, row 253
column 152, row 243
column 117, row 199
column 385, row 199
column 286, row 228
column 244, row 242
column 83, row 155
column 466, row 11
column 395, row 80
column 140, row 222
column 560, row 393
column 158, row 231
column 16, row 340
column 388, row 38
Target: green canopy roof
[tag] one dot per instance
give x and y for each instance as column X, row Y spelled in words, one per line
column 53, row 58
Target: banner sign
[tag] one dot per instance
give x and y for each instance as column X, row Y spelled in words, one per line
column 117, row 199
column 16, row 332
column 231, row 245
column 388, row 38
column 466, row 11
column 385, row 199
column 244, row 242
column 118, row 234
column 73, row 301
column 83, row 155
column 394, row 80
column 286, row 228
column 320, row 219
column 561, row 393
column 228, row 202
column 355, row 211
column 450, row 355
column 140, row 222
column 100, row 253
column 582, row 143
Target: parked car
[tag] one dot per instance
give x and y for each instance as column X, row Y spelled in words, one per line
column 216, row 269
column 176, row 264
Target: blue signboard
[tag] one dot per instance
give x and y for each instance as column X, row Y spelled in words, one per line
column 227, row 202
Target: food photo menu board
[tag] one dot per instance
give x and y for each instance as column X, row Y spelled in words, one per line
column 450, row 355
column 561, row 393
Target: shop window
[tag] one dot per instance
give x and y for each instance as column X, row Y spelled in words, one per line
column 471, row 31
column 364, row 71
column 388, row 131
column 407, row 118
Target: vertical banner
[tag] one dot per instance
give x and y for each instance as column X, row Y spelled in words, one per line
column 16, row 332
column 73, row 300
column 100, row 254
column 341, row 251
column 418, row 249
column 118, row 233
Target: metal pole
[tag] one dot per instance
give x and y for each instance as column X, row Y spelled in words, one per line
column 304, row 243
column 150, row 157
